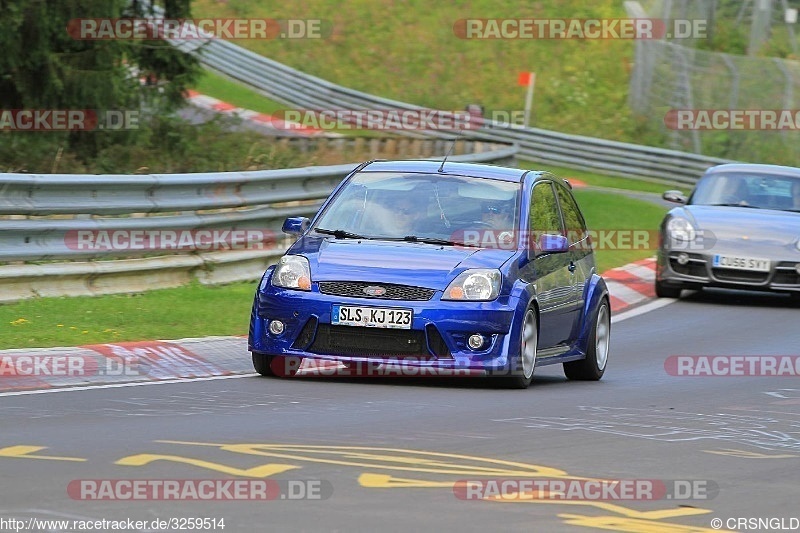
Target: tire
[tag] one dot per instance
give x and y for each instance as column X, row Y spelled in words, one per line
column 593, row 366
column 529, row 337
column 263, row 364
column 665, row 291
column 276, row 365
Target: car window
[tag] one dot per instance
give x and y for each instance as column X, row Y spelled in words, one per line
column 745, row 189
column 573, row 220
column 391, row 205
column 544, row 218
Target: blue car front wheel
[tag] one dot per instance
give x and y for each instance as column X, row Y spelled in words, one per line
column 522, row 367
column 276, row 365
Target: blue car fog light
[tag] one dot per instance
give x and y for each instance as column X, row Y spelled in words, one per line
column 276, row 327
column 475, row 341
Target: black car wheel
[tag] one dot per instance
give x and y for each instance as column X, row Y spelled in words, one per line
column 665, row 291
column 263, row 364
column 276, row 365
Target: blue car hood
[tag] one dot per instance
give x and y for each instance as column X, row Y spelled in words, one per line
column 419, row 264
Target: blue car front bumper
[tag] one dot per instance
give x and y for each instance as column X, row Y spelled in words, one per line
column 437, row 338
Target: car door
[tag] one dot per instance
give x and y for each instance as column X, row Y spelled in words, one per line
column 553, row 280
column 581, row 259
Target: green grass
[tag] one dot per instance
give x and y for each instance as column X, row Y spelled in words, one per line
column 409, row 51
column 191, row 311
column 232, row 92
column 599, row 180
column 197, row 310
column 605, row 212
column 224, row 89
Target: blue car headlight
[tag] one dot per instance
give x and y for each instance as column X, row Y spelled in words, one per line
column 680, row 229
column 292, row 272
column 476, row 284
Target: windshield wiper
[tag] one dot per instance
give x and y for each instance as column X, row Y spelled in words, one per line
column 735, row 205
column 340, row 233
column 433, row 240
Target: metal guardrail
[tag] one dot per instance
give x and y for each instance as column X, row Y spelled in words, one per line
column 62, row 217
column 238, row 201
column 295, row 88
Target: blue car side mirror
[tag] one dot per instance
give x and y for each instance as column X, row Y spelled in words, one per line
column 553, row 244
column 295, row 225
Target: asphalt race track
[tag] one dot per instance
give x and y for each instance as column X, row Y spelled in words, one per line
column 350, row 454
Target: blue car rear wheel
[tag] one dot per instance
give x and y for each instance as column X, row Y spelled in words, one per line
column 594, row 365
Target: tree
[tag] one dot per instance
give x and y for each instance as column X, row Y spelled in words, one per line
column 44, row 67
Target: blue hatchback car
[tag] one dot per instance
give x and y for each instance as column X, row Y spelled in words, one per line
column 440, row 268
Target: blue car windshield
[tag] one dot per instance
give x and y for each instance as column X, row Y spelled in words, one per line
column 388, row 205
column 742, row 189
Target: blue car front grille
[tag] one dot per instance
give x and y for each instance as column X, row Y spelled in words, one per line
column 355, row 289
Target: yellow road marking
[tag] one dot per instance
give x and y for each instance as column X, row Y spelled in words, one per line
column 627, row 519
column 24, row 452
column 257, row 471
column 744, row 454
column 631, row 525
column 383, row 481
column 356, row 456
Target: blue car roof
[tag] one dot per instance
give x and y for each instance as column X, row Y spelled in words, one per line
column 454, row 169
column 753, row 167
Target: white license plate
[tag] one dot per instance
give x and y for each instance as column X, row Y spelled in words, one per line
column 741, row 263
column 371, row 317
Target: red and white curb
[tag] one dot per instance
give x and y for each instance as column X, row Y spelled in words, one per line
column 261, row 119
column 632, row 284
column 38, row 370
column 124, row 362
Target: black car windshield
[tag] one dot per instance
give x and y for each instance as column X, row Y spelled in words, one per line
column 763, row 191
column 444, row 208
